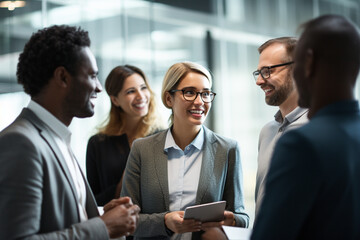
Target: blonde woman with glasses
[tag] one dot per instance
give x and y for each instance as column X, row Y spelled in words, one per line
column 187, row 164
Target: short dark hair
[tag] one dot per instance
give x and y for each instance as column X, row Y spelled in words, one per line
column 47, row 49
column 335, row 41
column 288, row 42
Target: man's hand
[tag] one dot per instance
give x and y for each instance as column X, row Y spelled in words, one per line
column 176, row 223
column 118, row 201
column 120, row 217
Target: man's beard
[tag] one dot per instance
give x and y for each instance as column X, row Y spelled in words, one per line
column 281, row 94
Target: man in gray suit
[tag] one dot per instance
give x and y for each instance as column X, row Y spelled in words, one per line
column 44, row 194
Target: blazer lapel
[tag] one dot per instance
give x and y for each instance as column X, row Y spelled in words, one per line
column 160, row 163
column 207, row 164
column 45, row 134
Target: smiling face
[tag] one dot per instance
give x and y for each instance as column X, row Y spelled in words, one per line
column 279, row 85
column 189, row 114
column 83, row 87
column 134, row 97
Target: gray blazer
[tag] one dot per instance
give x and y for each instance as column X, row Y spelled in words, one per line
column 38, row 197
column 146, row 182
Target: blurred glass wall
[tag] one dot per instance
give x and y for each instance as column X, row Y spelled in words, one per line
column 220, row 34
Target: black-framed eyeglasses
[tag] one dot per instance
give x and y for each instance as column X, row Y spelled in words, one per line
column 190, row 94
column 265, row 71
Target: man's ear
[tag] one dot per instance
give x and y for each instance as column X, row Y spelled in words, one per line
column 309, row 63
column 169, row 99
column 61, row 76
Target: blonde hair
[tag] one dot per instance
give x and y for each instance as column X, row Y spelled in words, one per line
column 178, row 72
column 115, row 122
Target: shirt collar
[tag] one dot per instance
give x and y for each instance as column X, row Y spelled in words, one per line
column 51, row 121
column 197, row 142
column 292, row 116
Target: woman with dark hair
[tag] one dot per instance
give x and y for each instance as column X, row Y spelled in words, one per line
column 132, row 115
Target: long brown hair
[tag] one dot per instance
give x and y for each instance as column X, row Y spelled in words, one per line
column 115, row 122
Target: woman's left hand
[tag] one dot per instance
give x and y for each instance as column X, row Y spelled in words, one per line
column 229, row 220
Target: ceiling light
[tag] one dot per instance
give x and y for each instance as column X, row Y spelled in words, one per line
column 11, row 5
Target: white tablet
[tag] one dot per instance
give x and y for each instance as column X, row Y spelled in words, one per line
column 237, row 233
column 208, row 212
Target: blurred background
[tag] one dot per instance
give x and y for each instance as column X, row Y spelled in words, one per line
column 222, row 35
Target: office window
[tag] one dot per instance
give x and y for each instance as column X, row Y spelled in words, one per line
column 223, row 35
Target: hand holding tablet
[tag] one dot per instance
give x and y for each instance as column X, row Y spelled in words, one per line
column 208, row 212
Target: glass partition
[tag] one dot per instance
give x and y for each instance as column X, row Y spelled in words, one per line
column 220, row 34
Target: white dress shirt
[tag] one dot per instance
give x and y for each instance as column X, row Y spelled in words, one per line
column 62, row 137
column 183, row 173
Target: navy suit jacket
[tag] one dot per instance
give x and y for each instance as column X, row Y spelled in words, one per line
column 313, row 186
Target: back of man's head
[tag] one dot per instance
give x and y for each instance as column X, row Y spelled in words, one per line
column 46, row 50
column 335, row 43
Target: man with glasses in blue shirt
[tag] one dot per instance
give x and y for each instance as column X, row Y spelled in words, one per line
column 274, row 77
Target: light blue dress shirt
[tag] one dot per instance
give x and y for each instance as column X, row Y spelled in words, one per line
column 183, row 174
column 183, row 171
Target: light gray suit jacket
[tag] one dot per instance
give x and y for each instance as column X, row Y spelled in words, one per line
column 37, row 194
column 146, row 181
